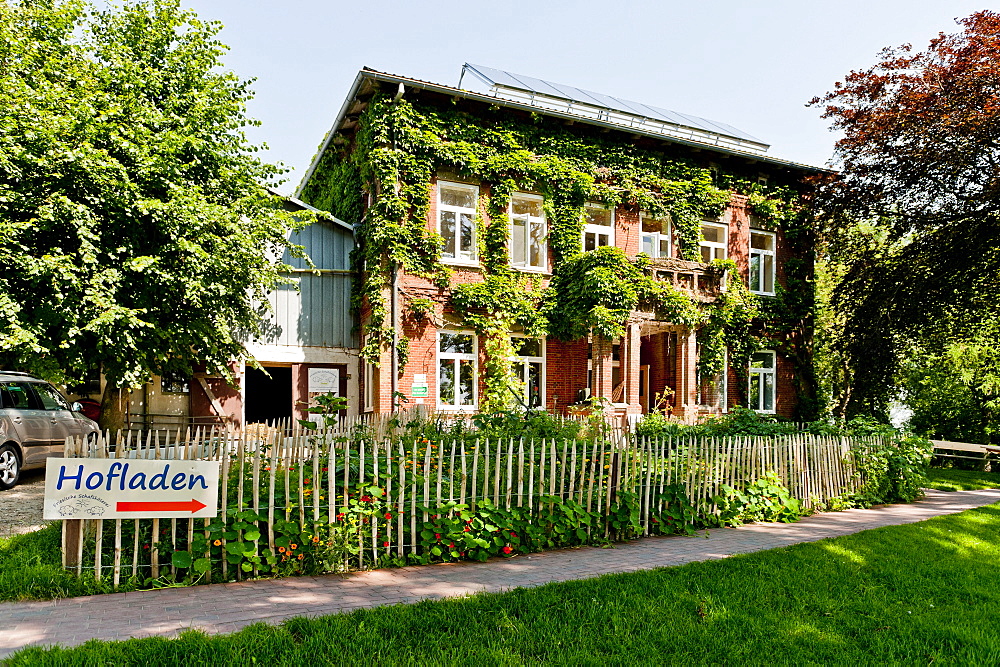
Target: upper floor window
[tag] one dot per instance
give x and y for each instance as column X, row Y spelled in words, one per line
column 655, row 236
column 457, row 220
column 762, row 245
column 528, row 248
column 457, row 369
column 529, row 369
column 598, row 227
column 714, row 241
column 763, row 380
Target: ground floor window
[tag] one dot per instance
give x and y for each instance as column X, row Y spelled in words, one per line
column 712, row 389
column 457, row 369
column 529, row 368
column 763, row 381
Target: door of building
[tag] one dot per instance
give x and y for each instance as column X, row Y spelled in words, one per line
column 267, row 399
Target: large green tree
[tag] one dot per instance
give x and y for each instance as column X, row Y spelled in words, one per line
column 920, row 162
column 136, row 230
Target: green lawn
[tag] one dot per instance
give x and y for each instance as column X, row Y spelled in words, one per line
column 31, row 568
column 951, row 479
column 913, row 594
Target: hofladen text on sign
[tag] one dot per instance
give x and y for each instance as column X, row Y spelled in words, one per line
column 130, row 489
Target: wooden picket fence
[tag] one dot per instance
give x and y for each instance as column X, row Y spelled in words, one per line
column 310, row 476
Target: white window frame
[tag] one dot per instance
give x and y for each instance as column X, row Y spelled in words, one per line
column 470, row 257
column 656, row 237
column 598, row 230
column 758, row 375
column 524, row 378
column 762, row 254
column 713, row 245
column 454, row 358
column 529, row 221
column 369, row 394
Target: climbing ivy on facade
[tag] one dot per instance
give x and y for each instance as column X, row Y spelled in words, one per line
column 402, row 145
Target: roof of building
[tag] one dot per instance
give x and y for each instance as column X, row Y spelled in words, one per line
column 573, row 104
column 598, row 106
column 324, row 215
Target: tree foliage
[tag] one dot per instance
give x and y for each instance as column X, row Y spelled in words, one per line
column 920, row 162
column 953, row 388
column 136, row 231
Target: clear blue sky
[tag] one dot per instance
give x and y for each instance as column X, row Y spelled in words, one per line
column 750, row 63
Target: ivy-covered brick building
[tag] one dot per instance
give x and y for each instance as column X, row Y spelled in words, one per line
column 524, row 243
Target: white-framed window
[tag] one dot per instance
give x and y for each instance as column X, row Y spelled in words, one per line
column 714, row 241
column 369, row 396
column 598, row 227
column 529, row 367
column 457, row 205
column 763, row 381
column 762, row 261
column 655, row 240
column 457, row 364
column 528, row 246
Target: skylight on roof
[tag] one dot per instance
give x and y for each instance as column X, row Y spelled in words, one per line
column 605, row 109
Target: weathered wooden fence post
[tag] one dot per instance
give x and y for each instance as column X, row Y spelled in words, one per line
column 72, row 529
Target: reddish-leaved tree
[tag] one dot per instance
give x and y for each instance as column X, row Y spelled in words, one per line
column 919, row 160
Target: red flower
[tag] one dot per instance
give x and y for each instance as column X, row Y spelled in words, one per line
column 451, row 546
column 467, row 529
column 507, row 549
column 513, row 533
column 388, row 515
column 385, row 544
column 366, row 499
column 340, row 516
column 437, row 536
column 325, row 469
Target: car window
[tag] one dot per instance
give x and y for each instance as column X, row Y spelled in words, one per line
column 50, row 398
column 18, row 395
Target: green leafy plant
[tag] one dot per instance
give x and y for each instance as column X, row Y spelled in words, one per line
column 765, row 499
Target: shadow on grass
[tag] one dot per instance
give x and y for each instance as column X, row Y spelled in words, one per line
column 915, row 593
column 953, row 479
column 31, row 568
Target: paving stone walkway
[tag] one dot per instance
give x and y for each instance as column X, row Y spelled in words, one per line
column 229, row 607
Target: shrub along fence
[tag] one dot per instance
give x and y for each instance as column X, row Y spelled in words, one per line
column 325, row 500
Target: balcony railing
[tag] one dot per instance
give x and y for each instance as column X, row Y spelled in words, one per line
column 702, row 281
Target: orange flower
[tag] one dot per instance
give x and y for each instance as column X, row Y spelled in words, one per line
column 316, row 540
column 301, row 556
column 281, row 549
column 295, row 546
column 217, row 543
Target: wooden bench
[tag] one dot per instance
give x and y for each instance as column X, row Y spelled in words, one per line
column 985, row 452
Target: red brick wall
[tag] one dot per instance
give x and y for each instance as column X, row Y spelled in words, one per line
column 566, row 363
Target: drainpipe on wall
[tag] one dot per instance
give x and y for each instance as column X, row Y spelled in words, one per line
column 393, row 316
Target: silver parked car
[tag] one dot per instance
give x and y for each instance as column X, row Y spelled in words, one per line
column 35, row 421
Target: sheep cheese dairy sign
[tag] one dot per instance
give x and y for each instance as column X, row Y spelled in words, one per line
column 130, row 489
column 324, row 380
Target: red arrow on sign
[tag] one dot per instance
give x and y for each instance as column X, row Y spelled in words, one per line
column 161, row 506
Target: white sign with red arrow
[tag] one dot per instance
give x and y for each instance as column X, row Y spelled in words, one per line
column 130, row 489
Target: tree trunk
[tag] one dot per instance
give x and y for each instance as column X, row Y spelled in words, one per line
column 113, row 408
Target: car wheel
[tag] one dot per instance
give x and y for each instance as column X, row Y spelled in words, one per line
column 10, row 467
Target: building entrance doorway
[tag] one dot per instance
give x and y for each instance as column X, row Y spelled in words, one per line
column 267, row 399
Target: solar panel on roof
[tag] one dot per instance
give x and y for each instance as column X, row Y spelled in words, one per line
column 499, row 78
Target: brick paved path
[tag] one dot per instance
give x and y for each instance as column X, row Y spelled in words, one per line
column 229, row 607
